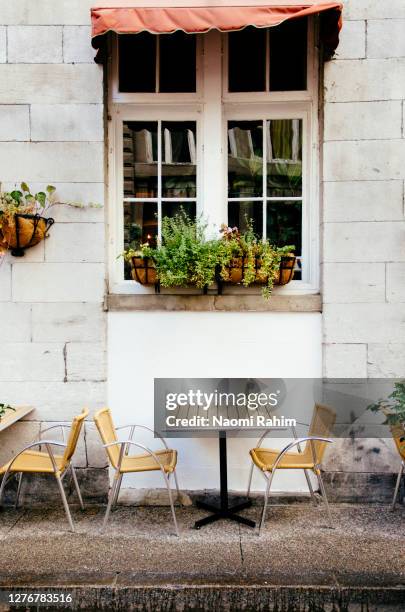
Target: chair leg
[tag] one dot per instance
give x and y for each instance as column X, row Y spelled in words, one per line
column 110, row 500
column 167, row 481
column 177, row 487
column 325, row 499
column 250, row 480
column 65, row 503
column 311, row 490
column 394, row 501
column 79, row 495
column 3, row 485
column 266, row 498
column 117, row 492
column 17, row 499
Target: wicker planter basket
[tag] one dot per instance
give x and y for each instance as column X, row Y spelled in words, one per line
column 236, row 271
column 22, row 232
column 144, row 271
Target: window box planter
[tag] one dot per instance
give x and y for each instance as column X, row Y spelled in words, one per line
column 236, row 271
column 144, row 270
column 22, row 231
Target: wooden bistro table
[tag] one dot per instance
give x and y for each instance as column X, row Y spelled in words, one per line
column 223, row 510
column 12, row 416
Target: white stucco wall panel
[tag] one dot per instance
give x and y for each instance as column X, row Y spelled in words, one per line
column 195, row 344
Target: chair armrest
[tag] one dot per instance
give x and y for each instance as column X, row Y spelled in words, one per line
column 47, row 443
column 136, row 426
column 60, row 426
column 125, row 444
column 297, row 443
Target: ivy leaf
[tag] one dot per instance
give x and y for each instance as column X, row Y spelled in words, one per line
column 41, row 198
column 50, row 189
column 25, row 187
column 16, row 195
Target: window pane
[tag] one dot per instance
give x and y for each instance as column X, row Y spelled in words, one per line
column 288, row 56
column 284, row 224
column 177, row 62
column 179, row 155
column 140, row 159
column 247, row 60
column 241, row 214
column 284, row 157
column 245, row 159
column 171, row 209
column 140, row 226
column 137, row 62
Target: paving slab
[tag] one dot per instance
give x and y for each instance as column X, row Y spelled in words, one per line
column 138, row 559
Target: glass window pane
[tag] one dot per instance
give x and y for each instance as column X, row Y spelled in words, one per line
column 284, row 224
column 137, row 62
column 140, row 159
column 241, row 214
column 179, row 155
column 284, row 157
column 288, row 56
column 177, row 63
column 140, row 227
column 171, row 209
column 247, row 60
column 245, row 159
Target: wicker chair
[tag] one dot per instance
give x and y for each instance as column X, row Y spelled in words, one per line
column 164, row 460
column 30, row 461
column 308, row 459
column 398, row 433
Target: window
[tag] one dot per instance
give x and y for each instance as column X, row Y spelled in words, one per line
column 150, row 63
column 219, row 125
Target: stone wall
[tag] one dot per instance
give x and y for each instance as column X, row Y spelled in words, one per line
column 52, row 323
column 363, row 229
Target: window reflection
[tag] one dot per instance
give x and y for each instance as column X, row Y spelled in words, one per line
column 284, row 157
column 140, row 159
column 242, row 214
column 179, row 153
column 245, row 159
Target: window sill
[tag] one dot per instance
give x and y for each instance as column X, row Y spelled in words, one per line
column 214, row 303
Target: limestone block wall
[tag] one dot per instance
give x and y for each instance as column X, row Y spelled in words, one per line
column 52, row 323
column 363, row 263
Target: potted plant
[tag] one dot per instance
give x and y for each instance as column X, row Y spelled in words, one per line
column 393, row 408
column 23, row 223
column 248, row 260
column 185, row 257
column 3, row 408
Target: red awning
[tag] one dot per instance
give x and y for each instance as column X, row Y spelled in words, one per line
column 122, row 17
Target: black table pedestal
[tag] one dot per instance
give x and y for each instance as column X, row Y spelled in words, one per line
column 223, row 511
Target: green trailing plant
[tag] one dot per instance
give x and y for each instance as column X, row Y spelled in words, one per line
column 185, row 256
column 260, row 259
column 4, row 408
column 393, row 408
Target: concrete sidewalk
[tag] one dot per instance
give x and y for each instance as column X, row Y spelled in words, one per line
column 297, row 564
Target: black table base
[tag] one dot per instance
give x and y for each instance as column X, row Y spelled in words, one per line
column 223, row 511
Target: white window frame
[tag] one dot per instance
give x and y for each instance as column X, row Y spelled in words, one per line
column 211, row 107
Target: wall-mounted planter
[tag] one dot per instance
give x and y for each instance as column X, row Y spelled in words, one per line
column 236, row 271
column 143, row 270
column 22, row 231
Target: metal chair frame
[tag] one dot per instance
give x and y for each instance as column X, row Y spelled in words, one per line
column 117, row 480
column 269, row 475
column 400, row 474
column 58, row 475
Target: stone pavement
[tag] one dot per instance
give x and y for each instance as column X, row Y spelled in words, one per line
column 297, row 564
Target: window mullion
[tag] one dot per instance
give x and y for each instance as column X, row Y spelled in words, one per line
column 264, row 179
column 160, row 136
column 268, row 60
column 157, row 83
